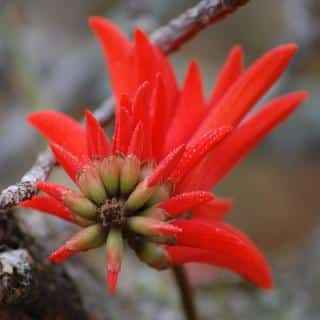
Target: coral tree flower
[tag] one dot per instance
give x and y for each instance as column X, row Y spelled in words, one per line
column 151, row 185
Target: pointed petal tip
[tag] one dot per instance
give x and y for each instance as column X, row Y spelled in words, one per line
column 71, row 164
column 166, row 166
column 139, row 34
column 61, row 254
column 237, row 49
column 288, row 49
column 302, row 95
column 54, row 190
column 237, row 53
column 96, row 21
column 112, row 279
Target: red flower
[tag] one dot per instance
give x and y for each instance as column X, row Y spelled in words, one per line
column 170, row 146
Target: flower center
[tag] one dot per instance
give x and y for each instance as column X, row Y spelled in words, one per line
column 112, row 213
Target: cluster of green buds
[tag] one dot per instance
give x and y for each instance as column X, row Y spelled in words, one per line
column 119, row 201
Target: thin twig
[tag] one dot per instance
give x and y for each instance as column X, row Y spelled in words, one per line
column 181, row 29
column 186, row 293
column 169, row 38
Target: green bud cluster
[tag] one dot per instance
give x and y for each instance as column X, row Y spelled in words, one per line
column 118, row 204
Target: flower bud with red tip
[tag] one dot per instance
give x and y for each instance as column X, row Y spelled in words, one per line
column 90, row 183
column 114, row 253
column 139, row 196
column 151, row 227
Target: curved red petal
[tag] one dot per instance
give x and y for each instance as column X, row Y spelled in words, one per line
column 123, row 131
column 54, row 190
column 190, row 110
column 241, row 141
column 62, row 130
column 137, row 142
column 97, row 141
column 141, row 113
column 229, row 73
column 195, row 153
column 61, row 254
column 69, row 162
column 144, row 59
column 185, row 201
column 117, row 51
column 259, row 275
column 48, row 205
column 212, row 211
column 248, row 89
column 158, row 116
column 228, row 247
column 170, row 81
column 163, row 170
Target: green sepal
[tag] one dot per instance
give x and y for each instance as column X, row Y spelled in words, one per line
column 88, row 238
column 90, row 184
column 79, row 205
column 129, row 176
column 154, row 255
column 110, row 174
column 140, row 195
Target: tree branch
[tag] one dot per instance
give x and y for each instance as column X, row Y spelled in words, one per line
column 181, row 29
column 41, row 289
column 169, row 38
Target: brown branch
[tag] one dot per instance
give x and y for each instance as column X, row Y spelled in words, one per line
column 41, row 290
column 169, row 38
column 186, row 293
column 181, row 29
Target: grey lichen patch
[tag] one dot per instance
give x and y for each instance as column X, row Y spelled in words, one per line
column 16, row 279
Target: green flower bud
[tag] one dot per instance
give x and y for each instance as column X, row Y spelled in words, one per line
column 79, row 205
column 110, row 174
column 129, row 176
column 90, row 184
column 91, row 237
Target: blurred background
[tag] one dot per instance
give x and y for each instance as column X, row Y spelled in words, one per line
column 49, row 59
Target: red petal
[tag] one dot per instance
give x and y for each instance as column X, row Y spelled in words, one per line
column 117, row 50
column 170, row 81
column 123, row 131
column 165, row 167
column 62, row 130
column 54, row 190
column 61, row 254
column 159, row 116
column 229, row 73
column 225, row 246
column 189, row 112
column 260, row 275
column 98, row 143
column 212, row 211
column 137, row 142
column 185, row 201
column 141, row 103
column 195, row 153
column 144, row 59
column 221, row 160
column 248, row 89
column 48, row 205
column 69, row 163
column 141, row 112
column 126, row 102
